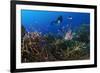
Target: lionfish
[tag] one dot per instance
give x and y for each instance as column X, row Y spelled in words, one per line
column 69, row 34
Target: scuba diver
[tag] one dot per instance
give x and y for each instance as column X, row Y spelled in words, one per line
column 58, row 21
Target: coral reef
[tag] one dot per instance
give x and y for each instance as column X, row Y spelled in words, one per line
column 36, row 47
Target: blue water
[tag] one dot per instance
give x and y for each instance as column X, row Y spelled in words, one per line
column 35, row 20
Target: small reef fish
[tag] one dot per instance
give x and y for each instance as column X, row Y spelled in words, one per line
column 70, row 18
column 57, row 21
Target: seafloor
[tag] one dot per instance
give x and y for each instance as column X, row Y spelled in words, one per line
column 36, row 47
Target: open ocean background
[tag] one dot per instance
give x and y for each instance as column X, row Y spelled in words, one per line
column 41, row 21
